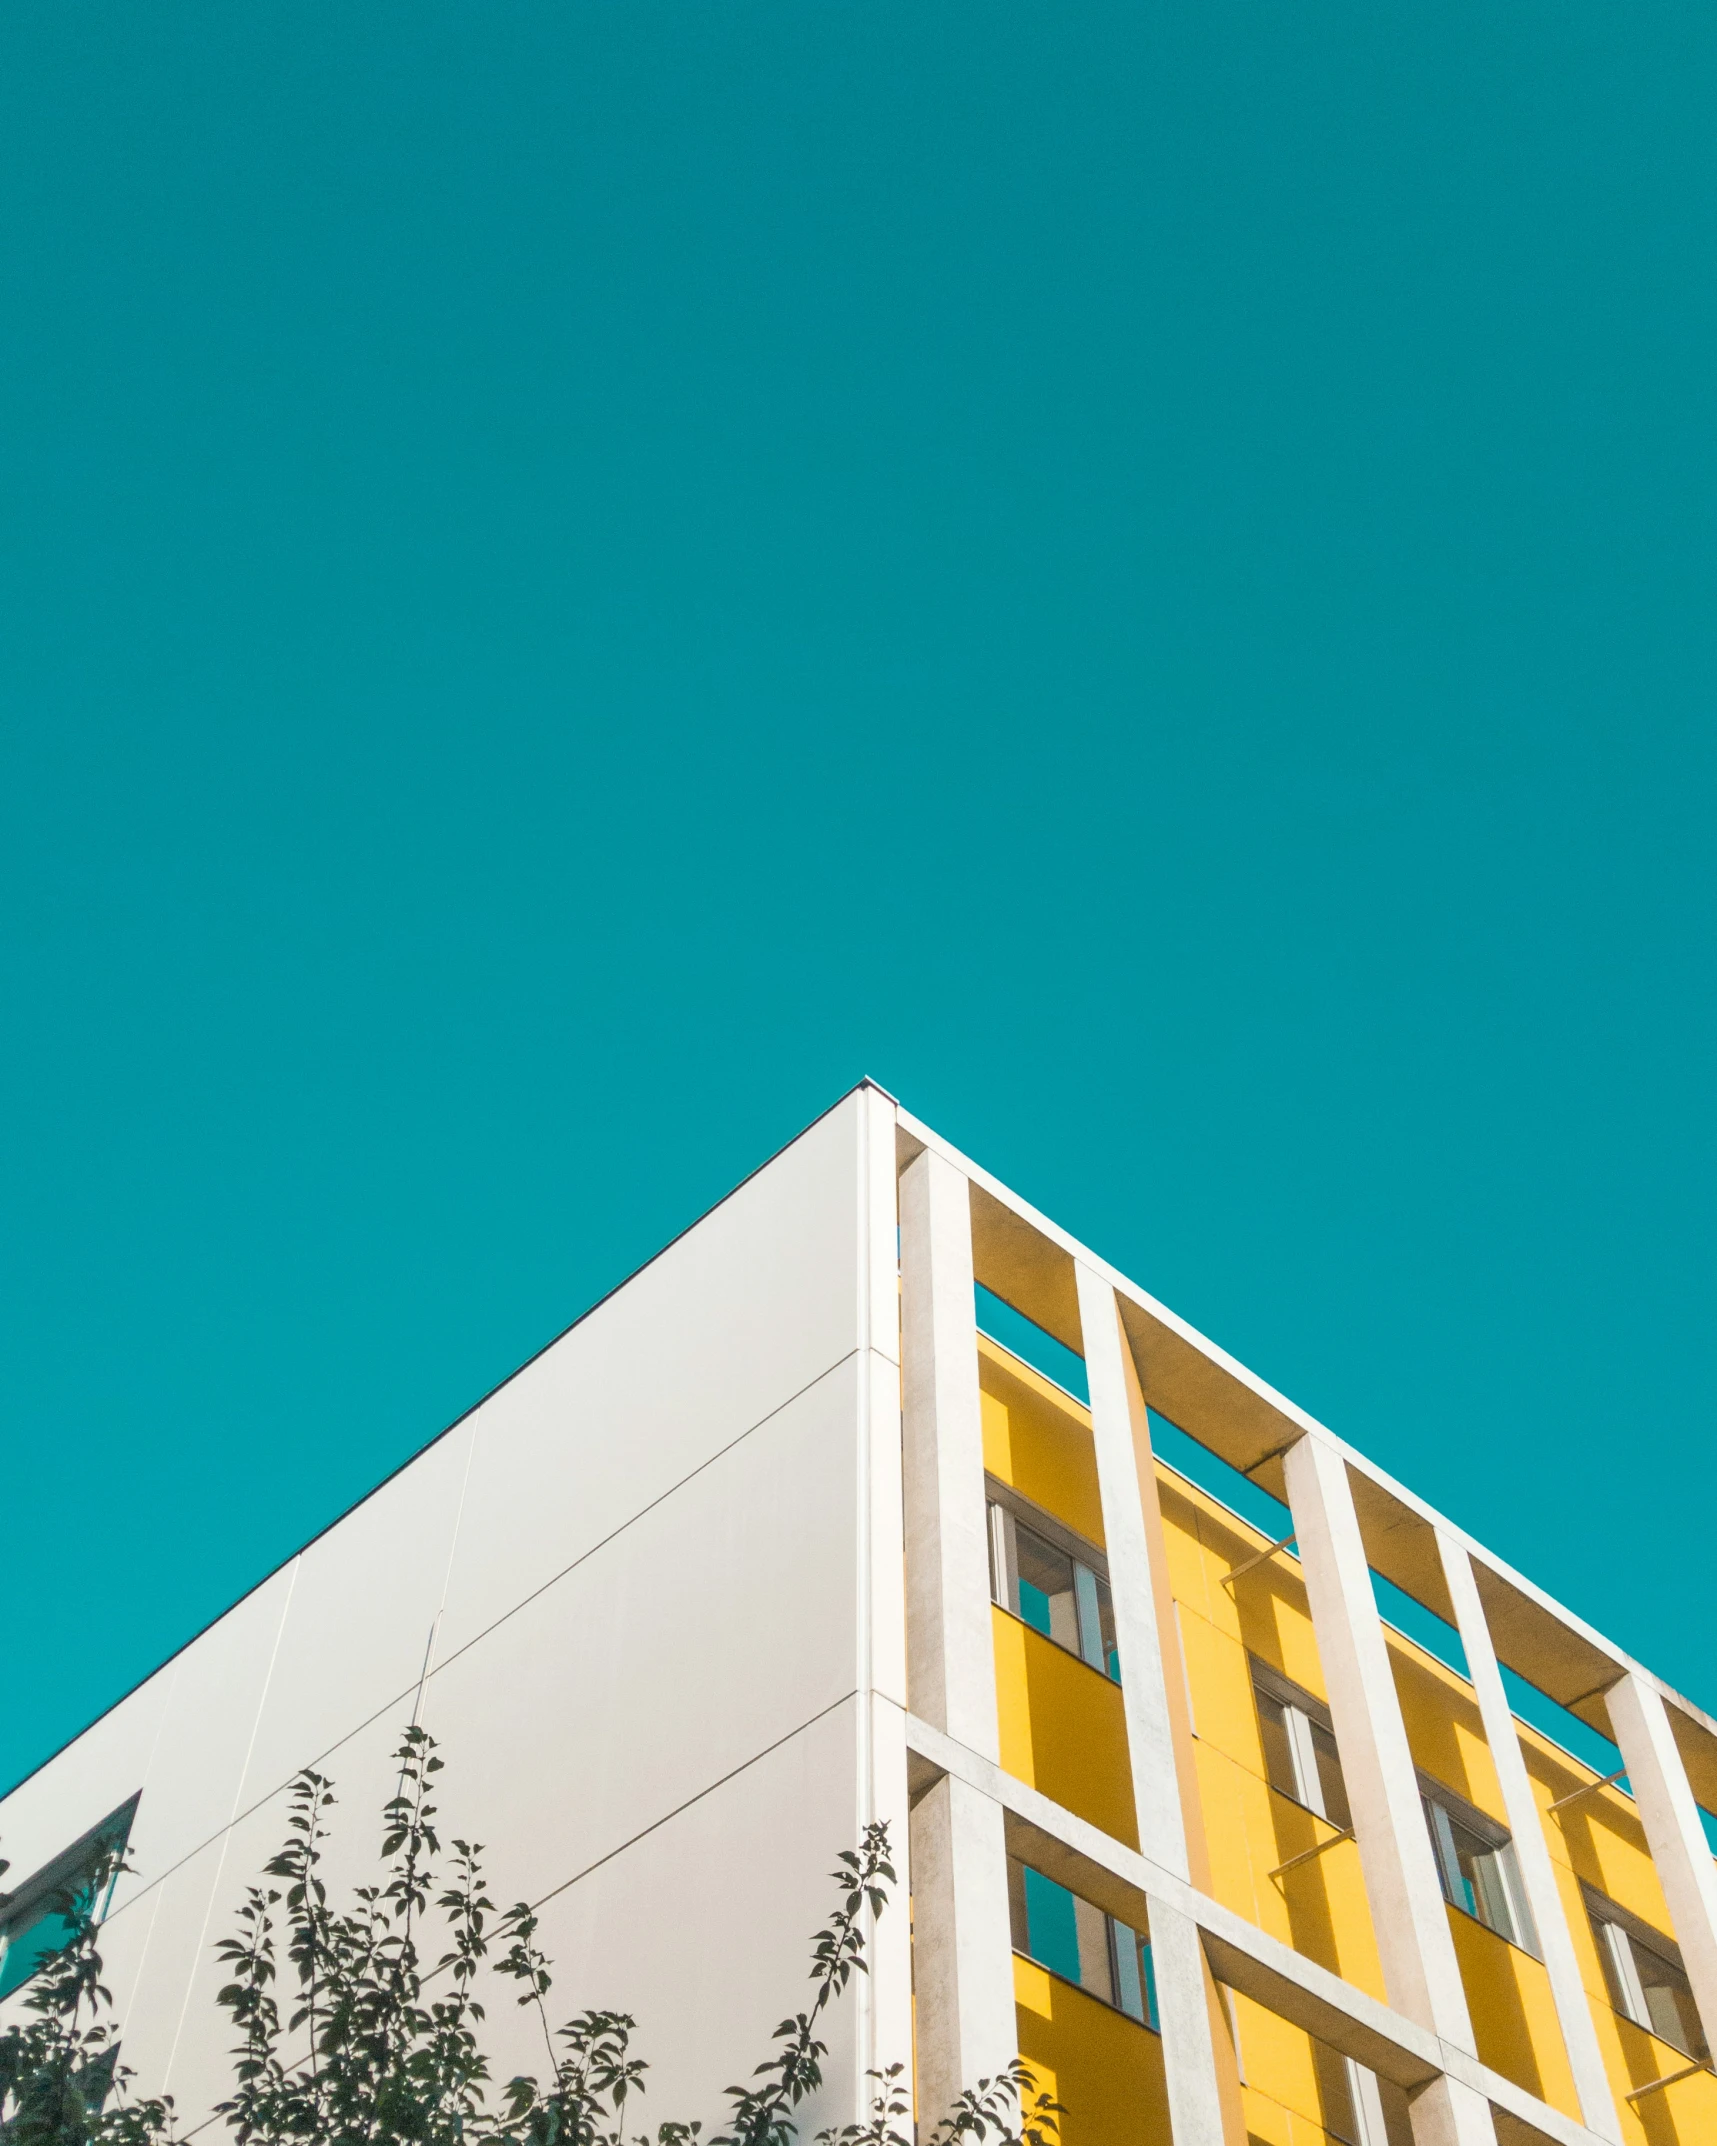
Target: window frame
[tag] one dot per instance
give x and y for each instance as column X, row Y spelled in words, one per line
column 1448, row 1804
column 1621, row 1970
column 1006, row 1508
column 1113, row 1928
column 28, row 1904
column 1305, row 1711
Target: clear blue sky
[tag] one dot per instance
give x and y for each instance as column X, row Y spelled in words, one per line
column 575, row 576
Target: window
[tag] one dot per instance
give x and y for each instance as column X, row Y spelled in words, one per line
column 1647, row 1981
column 1051, row 1579
column 1359, row 2109
column 39, row 1919
column 1300, row 1755
column 1080, row 1943
column 1476, row 1862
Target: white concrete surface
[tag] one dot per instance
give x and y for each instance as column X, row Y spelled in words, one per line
column 1116, row 1428
column 950, row 1652
column 1408, row 1915
column 962, row 1943
column 1531, row 1849
column 1673, row 1833
column 651, row 1580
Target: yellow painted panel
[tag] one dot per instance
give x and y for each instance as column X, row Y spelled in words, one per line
column 1039, row 1441
column 1063, row 1728
column 1105, row 2069
column 1444, row 1731
column 1513, row 2013
column 1283, row 2096
column 1320, row 1909
column 1188, row 1563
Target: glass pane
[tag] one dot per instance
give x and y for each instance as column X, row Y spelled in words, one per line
column 1278, row 1752
column 1129, row 1982
column 1085, row 1585
column 1481, row 1888
column 1329, row 1776
column 1111, row 1661
column 1495, row 1907
column 1018, row 1929
column 1668, row 2001
column 28, row 1948
column 1619, row 1973
column 1455, row 1887
column 1046, row 1589
column 1150, row 1974
column 1094, row 1969
column 1052, row 1926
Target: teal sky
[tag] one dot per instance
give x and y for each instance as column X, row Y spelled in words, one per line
column 575, row 577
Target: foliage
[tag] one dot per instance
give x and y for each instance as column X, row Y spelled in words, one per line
column 363, row 2025
column 61, row 2081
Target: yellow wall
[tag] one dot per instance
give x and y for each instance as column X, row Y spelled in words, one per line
column 1599, row 1839
column 1063, row 1723
column 1063, row 1728
column 1063, row 1731
column 1105, row 2069
column 1320, row 1909
column 1283, row 2094
column 1038, row 1440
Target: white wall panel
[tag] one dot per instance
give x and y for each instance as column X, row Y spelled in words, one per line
column 159, row 1949
column 77, row 1789
column 357, row 1630
column 721, row 1620
column 702, row 1931
column 758, row 1300
column 219, row 1682
column 151, row 1950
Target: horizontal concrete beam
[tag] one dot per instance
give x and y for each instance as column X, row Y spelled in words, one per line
column 1115, row 1877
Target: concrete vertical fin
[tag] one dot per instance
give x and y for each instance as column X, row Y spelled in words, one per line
column 1408, row 1914
column 1448, row 2112
column 1151, row 1680
column 1672, row 1830
column 1532, row 1851
column 950, row 1652
column 1198, row 2056
column 961, row 1944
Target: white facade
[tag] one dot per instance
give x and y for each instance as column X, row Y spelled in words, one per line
column 655, row 1597
column 632, row 1594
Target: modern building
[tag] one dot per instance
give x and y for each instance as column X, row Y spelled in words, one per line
column 1246, row 1795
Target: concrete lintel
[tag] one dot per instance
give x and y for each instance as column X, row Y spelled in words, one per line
column 1079, row 1855
column 950, row 1656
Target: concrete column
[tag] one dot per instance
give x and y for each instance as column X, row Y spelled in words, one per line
column 962, row 1946
column 1199, row 2065
column 1198, row 2056
column 1532, row 1852
column 1144, row 1616
column 950, row 1651
column 1448, row 2113
column 1411, row 1922
column 1673, row 1832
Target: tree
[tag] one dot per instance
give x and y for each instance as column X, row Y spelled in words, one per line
column 362, row 2025
column 61, row 2081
